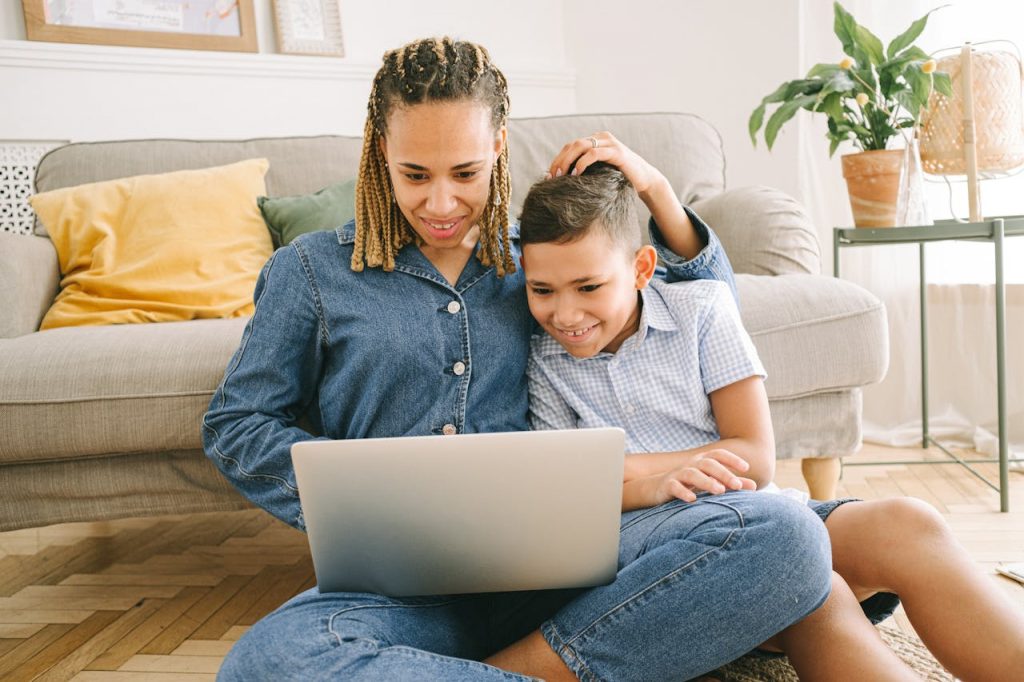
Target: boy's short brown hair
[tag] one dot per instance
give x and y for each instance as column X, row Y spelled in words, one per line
column 568, row 207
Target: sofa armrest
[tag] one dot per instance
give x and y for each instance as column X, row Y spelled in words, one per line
column 29, row 277
column 764, row 231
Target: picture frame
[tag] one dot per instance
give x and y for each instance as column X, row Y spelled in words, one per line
column 309, row 27
column 194, row 25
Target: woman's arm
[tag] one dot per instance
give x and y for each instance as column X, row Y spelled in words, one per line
column 268, row 385
column 686, row 246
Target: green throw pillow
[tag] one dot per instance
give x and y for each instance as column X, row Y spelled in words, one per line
column 288, row 217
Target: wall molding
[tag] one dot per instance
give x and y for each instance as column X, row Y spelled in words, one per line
column 25, row 54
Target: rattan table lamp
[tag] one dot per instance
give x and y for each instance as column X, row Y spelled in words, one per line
column 979, row 131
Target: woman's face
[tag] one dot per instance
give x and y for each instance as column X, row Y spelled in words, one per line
column 440, row 156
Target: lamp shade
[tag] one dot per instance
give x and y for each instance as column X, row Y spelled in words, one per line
column 995, row 79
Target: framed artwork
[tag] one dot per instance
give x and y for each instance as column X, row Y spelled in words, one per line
column 185, row 24
column 311, row 27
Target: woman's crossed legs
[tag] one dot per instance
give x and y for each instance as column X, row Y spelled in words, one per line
column 699, row 585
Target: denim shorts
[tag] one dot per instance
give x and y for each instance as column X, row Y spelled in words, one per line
column 880, row 605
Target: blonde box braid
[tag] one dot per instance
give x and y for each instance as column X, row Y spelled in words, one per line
column 430, row 70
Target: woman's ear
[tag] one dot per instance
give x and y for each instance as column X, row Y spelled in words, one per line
column 500, row 140
column 644, row 263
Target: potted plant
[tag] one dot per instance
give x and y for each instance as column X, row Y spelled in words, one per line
column 870, row 97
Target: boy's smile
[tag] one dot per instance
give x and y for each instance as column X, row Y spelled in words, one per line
column 584, row 292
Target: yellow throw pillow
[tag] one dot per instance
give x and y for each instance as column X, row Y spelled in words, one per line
column 157, row 248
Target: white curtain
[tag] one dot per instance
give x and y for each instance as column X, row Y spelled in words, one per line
column 962, row 395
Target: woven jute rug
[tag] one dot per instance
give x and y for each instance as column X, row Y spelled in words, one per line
column 761, row 668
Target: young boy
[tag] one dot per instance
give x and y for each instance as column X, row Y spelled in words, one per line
column 672, row 365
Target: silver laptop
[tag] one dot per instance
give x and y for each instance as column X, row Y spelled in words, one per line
column 465, row 513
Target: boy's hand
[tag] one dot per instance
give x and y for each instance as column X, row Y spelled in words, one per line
column 711, row 472
column 605, row 147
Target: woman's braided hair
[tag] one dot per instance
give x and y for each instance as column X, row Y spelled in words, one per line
column 430, row 70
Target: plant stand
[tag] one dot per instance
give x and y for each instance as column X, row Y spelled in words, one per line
column 993, row 230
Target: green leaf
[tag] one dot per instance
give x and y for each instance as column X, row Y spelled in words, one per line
column 914, row 52
column 910, row 35
column 756, row 119
column 833, row 146
column 781, row 115
column 886, row 83
column 832, row 105
column 871, row 45
column 942, row 83
column 778, row 94
column 840, row 82
column 822, row 70
column 909, row 102
column 920, row 84
column 845, row 28
column 804, row 86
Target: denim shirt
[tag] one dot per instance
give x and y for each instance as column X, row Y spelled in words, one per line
column 377, row 354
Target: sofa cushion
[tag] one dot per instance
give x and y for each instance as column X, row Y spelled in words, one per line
column 289, row 217
column 298, row 165
column 87, row 391
column 764, row 231
column 813, row 333
column 157, row 248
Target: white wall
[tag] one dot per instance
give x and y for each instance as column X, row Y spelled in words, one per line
column 707, row 57
column 54, row 91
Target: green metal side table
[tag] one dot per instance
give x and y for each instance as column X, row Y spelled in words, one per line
column 993, row 230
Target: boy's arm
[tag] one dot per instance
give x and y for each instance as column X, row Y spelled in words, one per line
column 744, row 423
column 732, row 376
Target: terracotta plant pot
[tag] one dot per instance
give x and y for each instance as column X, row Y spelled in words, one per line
column 873, row 182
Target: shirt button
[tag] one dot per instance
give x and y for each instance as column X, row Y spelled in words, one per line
column 454, row 307
column 449, row 430
column 630, row 409
column 459, row 368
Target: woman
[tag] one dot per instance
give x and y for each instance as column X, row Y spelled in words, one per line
column 413, row 320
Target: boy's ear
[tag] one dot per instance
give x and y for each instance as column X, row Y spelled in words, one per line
column 644, row 263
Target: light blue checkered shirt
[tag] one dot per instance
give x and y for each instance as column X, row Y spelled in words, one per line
column 690, row 342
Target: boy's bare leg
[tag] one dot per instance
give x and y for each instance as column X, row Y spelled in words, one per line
column 532, row 655
column 837, row 643
column 904, row 546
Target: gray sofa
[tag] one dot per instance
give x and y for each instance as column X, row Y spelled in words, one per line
column 103, row 422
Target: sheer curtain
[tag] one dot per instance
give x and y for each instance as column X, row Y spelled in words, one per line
column 962, row 376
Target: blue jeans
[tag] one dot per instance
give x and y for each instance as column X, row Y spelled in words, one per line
column 699, row 585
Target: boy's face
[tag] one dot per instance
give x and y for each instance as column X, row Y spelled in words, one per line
column 584, row 293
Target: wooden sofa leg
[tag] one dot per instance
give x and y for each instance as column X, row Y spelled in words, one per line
column 822, row 476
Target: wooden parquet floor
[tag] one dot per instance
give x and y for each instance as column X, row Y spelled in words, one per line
column 164, row 598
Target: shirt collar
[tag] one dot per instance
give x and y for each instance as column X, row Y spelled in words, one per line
column 656, row 313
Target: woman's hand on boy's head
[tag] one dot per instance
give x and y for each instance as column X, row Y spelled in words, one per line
column 605, row 147
column 712, row 471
